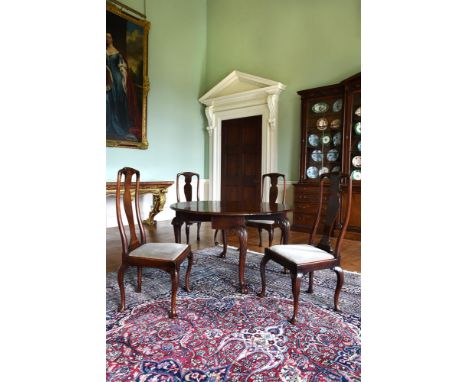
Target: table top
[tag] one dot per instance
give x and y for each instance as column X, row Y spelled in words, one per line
column 210, row 207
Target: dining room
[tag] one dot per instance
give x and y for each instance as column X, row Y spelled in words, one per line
column 238, row 238
column 239, row 158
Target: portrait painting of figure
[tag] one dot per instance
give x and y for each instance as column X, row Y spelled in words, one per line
column 127, row 82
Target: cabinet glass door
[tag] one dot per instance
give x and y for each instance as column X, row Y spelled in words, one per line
column 355, row 157
column 324, row 136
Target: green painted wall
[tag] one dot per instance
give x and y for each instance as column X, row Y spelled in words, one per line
column 194, row 44
column 176, row 69
column 301, row 43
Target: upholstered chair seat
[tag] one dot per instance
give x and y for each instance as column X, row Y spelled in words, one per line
column 300, row 253
column 160, row 251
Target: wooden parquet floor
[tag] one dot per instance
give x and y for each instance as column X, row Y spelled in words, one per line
column 350, row 255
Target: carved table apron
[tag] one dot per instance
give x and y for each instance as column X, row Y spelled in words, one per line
column 158, row 189
column 231, row 216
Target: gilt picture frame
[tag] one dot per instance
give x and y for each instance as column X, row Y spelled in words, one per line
column 127, row 83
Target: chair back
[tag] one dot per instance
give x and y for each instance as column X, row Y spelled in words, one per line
column 188, row 185
column 130, row 191
column 340, row 185
column 273, row 192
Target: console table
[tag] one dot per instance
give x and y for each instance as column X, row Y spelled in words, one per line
column 158, row 189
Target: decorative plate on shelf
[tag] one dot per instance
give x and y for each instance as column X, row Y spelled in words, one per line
column 320, row 107
column 323, row 170
column 357, row 128
column 314, row 140
column 333, row 155
column 335, row 124
column 356, row 161
column 317, row 155
column 358, row 111
column 336, row 169
column 359, row 146
column 337, row 139
column 337, row 105
column 326, row 139
column 322, row 124
column 312, row 172
column 356, row 175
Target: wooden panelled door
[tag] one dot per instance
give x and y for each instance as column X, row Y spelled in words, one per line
column 241, row 159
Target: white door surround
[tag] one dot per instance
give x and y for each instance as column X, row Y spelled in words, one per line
column 236, row 96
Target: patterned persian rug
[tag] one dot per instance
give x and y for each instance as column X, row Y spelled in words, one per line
column 221, row 335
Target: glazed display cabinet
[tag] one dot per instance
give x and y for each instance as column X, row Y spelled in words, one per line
column 330, row 142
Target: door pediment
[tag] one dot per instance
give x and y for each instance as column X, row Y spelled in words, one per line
column 237, row 86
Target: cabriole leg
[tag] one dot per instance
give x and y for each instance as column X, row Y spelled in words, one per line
column 339, row 283
column 138, row 288
column 120, row 280
column 198, row 231
column 263, row 264
column 311, row 282
column 296, row 279
column 187, row 273
column 187, row 232
column 224, row 234
column 175, row 287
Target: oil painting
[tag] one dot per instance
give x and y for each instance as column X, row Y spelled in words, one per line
column 127, row 83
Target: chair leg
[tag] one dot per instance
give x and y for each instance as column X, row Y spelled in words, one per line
column 120, row 280
column 339, row 283
column 260, row 236
column 175, row 287
column 214, row 238
column 265, row 260
column 187, row 232
column 224, row 234
column 138, row 288
column 311, row 282
column 187, row 273
column 296, row 279
column 270, row 236
column 198, row 231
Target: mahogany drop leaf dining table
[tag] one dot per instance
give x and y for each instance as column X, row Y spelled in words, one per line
column 231, row 216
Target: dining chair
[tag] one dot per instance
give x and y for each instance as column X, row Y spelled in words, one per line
column 307, row 258
column 188, row 195
column 269, row 225
column 137, row 252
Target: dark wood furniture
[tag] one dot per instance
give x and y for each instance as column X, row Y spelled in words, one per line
column 269, row 225
column 137, row 252
column 307, row 258
column 157, row 188
column 188, row 198
column 231, row 216
column 330, row 141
